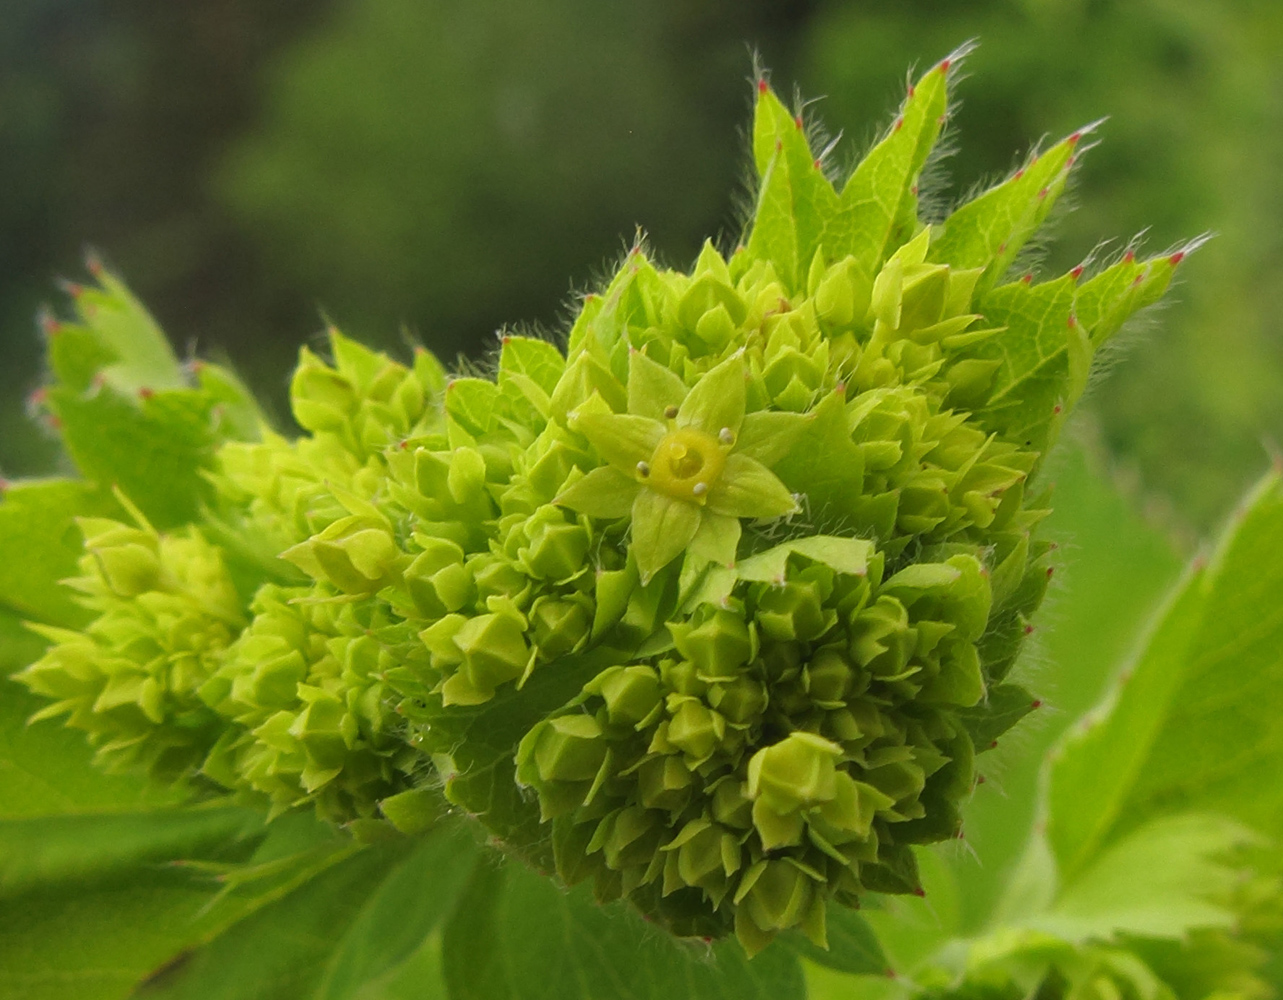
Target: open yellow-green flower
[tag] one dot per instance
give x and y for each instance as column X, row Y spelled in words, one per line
column 684, row 465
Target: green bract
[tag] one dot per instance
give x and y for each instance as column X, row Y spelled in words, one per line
column 714, row 608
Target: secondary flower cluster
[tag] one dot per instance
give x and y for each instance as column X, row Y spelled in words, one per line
column 713, row 607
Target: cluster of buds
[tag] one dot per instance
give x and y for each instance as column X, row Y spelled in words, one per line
column 165, row 613
column 789, row 747
column 306, row 688
column 714, row 608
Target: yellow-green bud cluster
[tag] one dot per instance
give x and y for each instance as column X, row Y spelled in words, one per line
column 714, row 607
column 797, row 737
column 306, row 686
column 166, row 611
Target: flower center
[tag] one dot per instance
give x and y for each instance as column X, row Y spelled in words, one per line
column 686, row 464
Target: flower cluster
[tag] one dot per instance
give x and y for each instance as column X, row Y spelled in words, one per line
column 714, row 607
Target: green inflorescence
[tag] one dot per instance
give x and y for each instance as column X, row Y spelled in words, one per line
column 715, row 607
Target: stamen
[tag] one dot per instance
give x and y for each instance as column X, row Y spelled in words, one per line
column 726, row 437
column 643, row 469
column 670, row 412
column 700, row 489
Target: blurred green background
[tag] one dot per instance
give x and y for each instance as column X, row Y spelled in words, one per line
column 439, row 169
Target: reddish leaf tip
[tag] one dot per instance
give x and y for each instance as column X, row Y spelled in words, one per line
column 797, row 120
column 1019, row 174
column 980, row 779
column 993, row 744
column 762, row 85
column 945, row 64
column 1043, row 193
column 920, row 892
column 1077, row 272
column 1073, row 321
column 1037, row 703
column 1177, row 257
column 146, row 393
column 1029, row 630
column 898, row 122
column 1028, row 279
column 1129, row 256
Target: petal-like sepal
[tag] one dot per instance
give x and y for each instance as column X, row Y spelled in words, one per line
column 717, row 401
column 604, row 492
column 747, row 488
column 622, row 439
column 662, row 529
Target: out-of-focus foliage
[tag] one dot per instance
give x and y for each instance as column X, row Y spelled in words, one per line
column 1194, row 91
column 451, row 166
column 111, row 113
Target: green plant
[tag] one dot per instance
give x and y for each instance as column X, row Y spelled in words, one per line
column 715, row 611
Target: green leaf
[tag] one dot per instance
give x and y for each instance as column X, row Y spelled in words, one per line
column 1106, row 301
column 990, row 230
column 350, row 925
column 19, row 646
column 1192, row 724
column 97, row 943
column 1004, row 705
column 795, row 200
column 1163, row 880
column 47, row 770
column 53, row 850
column 517, row 936
column 878, row 205
column 41, row 542
column 155, row 448
column 1045, row 357
column 401, row 912
column 1111, row 572
column 121, row 328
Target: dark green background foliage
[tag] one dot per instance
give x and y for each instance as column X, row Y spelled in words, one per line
column 451, row 168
